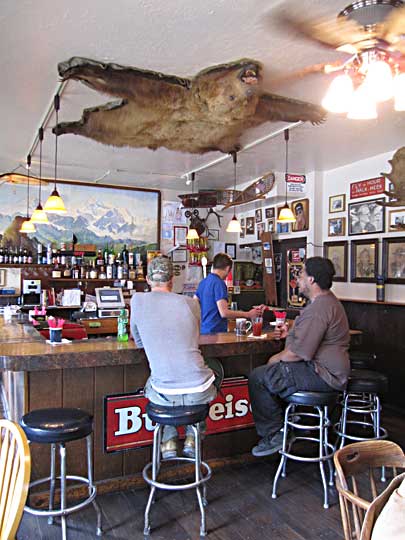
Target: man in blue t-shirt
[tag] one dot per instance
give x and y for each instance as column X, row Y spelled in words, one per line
column 213, row 296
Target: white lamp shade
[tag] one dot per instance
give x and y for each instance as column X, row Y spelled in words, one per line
column 379, row 81
column 55, row 204
column 192, row 234
column 286, row 215
column 362, row 106
column 27, row 226
column 339, row 94
column 234, row 226
column 399, row 92
column 39, row 216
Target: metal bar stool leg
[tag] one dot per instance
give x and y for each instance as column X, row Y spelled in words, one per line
column 326, row 444
column 283, row 459
column 321, row 456
column 62, row 451
column 53, row 481
column 155, row 467
column 89, row 440
column 196, row 430
column 343, row 420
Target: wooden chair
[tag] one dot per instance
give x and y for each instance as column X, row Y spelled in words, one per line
column 355, row 480
column 15, row 470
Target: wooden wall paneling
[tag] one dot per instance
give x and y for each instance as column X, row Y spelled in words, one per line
column 108, row 380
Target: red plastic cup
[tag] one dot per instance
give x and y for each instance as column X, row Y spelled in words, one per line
column 257, row 325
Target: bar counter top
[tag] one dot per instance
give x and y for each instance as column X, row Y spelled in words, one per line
column 22, row 348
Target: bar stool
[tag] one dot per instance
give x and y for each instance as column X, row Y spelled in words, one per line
column 362, row 398
column 177, row 416
column 362, row 360
column 60, row 426
column 319, row 402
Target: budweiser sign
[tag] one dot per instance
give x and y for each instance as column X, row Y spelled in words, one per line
column 366, row 188
column 126, row 424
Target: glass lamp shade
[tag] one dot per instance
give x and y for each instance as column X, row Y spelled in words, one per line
column 399, row 92
column 39, row 216
column 286, row 215
column 54, row 204
column 379, row 81
column 362, row 106
column 27, row 226
column 234, row 225
column 192, row 235
column 339, row 94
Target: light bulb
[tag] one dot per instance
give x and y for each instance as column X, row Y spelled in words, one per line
column 286, row 215
column 27, row 226
column 234, row 226
column 39, row 216
column 339, row 94
column 399, row 92
column 362, row 106
column 379, row 82
column 55, row 204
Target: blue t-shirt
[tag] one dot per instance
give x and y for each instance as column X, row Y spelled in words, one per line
column 210, row 290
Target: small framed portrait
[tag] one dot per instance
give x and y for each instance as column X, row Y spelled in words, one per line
column 270, row 213
column 300, row 210
column 337, row 203
column 242, row 222
column 364, row 261
column 337, row 253
column 366, row 217
column 250, row 225
column 180, row 235
column 396, row 221
column 271, row 226
column 213, row 234
column 337, row 226
column 394, row 260
column 242, row 232
column 179, row 256
column 258, row 215
column 260, row 230
column 230, row 249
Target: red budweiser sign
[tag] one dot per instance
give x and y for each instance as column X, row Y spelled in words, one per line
column 127, row 425
column 366, row 188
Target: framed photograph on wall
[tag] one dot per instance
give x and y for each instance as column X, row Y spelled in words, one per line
column 258, row 215
column 366, row 217
column 250, row 225
column 337, row 253
column 230, row 249
column 242, row 232
column 337, row 226
column 180, row 235
column 394, row 260
column 213, row 234
column 242, row 222
column 337, row 203
column 396, row 221
column 271, row 225
column 179, row 256
column 364, row 260
column 300, row 210
column 260, row 230
column 270, row 213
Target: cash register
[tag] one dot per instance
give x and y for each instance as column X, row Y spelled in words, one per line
column 110, row 301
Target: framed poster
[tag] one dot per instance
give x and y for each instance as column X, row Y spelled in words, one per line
column 179, row 255
column 396, row 221
column 258, row 215
column 364, row 261
column 366, row 217
column 394, row 260
column 180, row 235
column 250, row 225
column 337, row 253
column 213, row 234
column 337, row 226
column 230, row 249
column 337, row 203
column 300, row 210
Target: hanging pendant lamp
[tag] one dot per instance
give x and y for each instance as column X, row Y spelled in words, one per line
column 192, row 233
column 38, row 215
column 234, row 225
column 27, row 225
column 55, row 204
column 286, row 215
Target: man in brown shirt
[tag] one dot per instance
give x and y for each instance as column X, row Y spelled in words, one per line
column 315, row 357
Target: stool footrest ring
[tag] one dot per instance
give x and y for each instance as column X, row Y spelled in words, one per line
column 206, row 475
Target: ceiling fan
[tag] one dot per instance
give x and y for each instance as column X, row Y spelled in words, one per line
column 372, row 33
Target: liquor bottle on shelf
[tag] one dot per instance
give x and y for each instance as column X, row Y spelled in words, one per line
column 100, row 259
column 30, row 258
column 122, row 334
column 109, row 271
column 131, row 259
column 76, row 271
column 49, row 254
column 124, row 254
column 93, row 271
column 20, row 255
column 39, row 254
column 6, row 258
column 67, row 272
column 120, row 273
column 105, row 255
column 15, row 257
column 1, row 255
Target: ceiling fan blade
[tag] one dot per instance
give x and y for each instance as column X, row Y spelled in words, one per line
column 392, row 29
column 315, row 69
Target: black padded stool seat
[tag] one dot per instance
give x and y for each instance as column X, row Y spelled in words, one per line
column 177, row 416
column 362, row 360
column 57, row 425
column 313, row 398
column 364, row 380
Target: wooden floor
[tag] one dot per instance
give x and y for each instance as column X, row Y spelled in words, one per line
column 240, row 507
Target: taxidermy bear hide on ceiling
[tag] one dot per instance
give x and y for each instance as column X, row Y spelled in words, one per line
column 207, row 112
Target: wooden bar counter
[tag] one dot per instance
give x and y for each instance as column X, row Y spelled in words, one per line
column 81, row 373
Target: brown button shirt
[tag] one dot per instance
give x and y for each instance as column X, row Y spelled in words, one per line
column 321, row 335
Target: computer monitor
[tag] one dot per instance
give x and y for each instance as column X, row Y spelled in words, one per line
column 109, row 297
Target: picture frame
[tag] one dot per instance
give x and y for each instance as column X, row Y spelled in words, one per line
column 394, row 260
column 242, row 222
column 337, row 226
column 258, row 215
column 270, row 212
column 366, row 217
column 300, row 209
column 242, row 232
column 271, row 225
column 230, row 249
column 364, row 260
column 250, row 225
column 337, row 252
column 213, row 234
column 260, row 229
column 179, row 255
column 180, row 235
column 281, row 228
column 337, row 203
column 396, row 221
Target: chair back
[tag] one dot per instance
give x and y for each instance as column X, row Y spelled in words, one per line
column 15, row 470
column 356, row 481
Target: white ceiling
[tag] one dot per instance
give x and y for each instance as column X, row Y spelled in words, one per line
column 179, row 37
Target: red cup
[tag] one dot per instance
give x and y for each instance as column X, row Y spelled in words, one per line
column 257, row 325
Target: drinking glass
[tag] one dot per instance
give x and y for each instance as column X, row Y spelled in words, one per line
column 257, row 326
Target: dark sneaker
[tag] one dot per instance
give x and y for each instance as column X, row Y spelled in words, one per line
column 268, row 446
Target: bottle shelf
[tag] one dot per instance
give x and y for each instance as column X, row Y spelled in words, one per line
column 25, row 265
column 95, row 279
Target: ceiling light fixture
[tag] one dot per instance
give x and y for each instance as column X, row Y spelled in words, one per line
column 234, row 225
column 27, row 225
column 286, row 215
column 192, row 233
column 38, row 215
column 55, row 204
